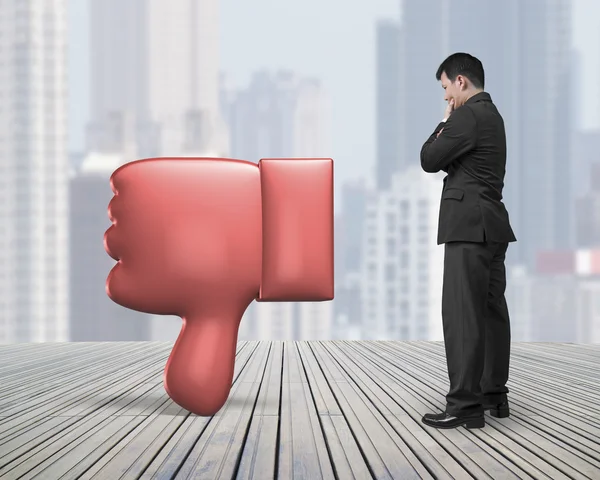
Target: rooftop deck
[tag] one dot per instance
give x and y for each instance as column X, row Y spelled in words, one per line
column 297, row 410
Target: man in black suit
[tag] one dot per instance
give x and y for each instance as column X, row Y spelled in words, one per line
column 470, row 146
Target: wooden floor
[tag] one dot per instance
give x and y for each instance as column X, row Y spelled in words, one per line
column 297, row 410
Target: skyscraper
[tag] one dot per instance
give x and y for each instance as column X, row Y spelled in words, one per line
column 157, row 63
column 279, row 115
column 95, row 317
column 389, row 91
column 422, row 31
column 33, row 172
column 402, row 263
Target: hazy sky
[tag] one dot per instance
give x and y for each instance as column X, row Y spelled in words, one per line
column 333, row 40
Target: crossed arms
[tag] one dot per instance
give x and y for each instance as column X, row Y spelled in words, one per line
column 442, row 148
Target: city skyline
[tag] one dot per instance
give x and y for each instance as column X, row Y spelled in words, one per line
column 140, row 108
column 358, row 33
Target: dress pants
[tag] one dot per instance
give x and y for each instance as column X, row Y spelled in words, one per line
column 476, row 325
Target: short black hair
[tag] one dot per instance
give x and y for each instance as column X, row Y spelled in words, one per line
column 462, row 64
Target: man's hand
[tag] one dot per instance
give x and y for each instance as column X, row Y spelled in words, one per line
column 460, row 136
column 449, row 109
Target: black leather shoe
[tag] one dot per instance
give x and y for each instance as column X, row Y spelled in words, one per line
column 498, row 410
column 446, row 420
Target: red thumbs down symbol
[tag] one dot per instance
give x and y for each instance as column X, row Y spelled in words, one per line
column 202, row 238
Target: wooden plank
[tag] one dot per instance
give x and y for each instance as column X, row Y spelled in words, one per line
column 27, row 385
column 84, row 452
column 385, row 451
column 32, row 367
column 325, row 401
column 130, row 457
column 81, row 370
column 269, row 395
column 302, row 452
column 20, row 359
column 344, row 450
column 49, row 454
column 166, row 464
column 20, row 440
column 91, row 395
column 11, row 449
column 260, row 448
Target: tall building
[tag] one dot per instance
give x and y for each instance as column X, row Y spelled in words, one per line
column 33, row 172
column 281, row 115
column 544, row 207
column 587, row 211
column 585, row 155
column 527, row 45
column 354, row 201
column 347, row 307
column 521, row 308
column 390, row 91
column 557, row 301
column 349, row 231
column 421, row 50
column 588, row 308
column 402, row 268
column 157, row 65
column 94, row 316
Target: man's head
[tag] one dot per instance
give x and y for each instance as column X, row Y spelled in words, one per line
column 462, row 77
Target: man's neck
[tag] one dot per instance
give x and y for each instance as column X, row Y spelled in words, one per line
column 472, row 93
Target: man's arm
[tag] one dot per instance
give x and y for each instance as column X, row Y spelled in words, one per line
column 459, row 136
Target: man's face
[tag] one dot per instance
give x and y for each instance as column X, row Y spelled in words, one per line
column 452, row 90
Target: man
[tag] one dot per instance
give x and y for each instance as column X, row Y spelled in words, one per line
column 470, row 146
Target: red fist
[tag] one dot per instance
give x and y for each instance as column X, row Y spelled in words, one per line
column 201, row 238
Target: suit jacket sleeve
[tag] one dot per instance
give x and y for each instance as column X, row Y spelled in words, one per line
column 459, row 136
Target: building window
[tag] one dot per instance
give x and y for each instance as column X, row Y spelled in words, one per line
column 391, row 221
column 404, row 209
column 404, row 259
column 403, row 235
column 404, row 310
column 390, row 272
column 391, row 296
column 391, row 246
column 372, row 269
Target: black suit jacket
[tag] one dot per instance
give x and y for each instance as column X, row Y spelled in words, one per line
column 472, row 150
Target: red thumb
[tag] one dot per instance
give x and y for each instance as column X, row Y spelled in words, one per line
column 199, row 372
